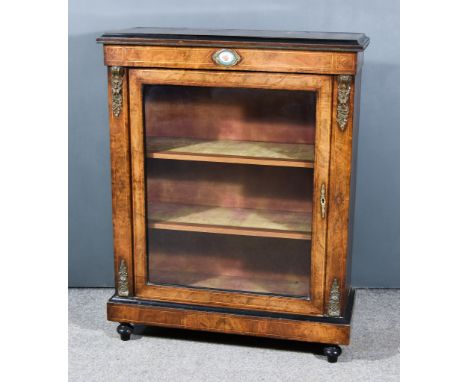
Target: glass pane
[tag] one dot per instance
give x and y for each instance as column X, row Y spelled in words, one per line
column 230, row 262
column 281, row 116
column 229, row 182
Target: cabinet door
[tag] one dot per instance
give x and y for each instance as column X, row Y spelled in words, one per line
column 229, row 177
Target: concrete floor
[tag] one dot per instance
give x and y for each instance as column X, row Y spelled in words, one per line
column 96, row 352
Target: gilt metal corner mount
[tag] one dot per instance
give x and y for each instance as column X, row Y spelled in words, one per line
column 334, row 300
column 344, row 91
column 117, row 74
column 122, row 285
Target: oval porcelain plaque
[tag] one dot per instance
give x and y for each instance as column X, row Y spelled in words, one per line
column 226, row 57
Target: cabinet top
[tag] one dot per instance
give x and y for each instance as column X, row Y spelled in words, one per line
column 325, row 41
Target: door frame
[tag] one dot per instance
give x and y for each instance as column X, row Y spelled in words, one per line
column 323, row 86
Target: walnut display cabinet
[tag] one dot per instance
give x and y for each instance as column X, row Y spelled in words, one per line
column 233, row 180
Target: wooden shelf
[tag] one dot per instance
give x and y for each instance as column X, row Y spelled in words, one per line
column 286, row 284
column 224, row 151
column 231, row 221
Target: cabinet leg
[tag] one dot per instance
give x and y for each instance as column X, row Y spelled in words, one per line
column 125, row 330
column 332, row 352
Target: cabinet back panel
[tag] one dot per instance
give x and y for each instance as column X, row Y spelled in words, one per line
column 213, row 113
column 229, row 185
column 261, row 265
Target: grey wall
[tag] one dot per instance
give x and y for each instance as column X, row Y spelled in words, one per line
column 376, row 233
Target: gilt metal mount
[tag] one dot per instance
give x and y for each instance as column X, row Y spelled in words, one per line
column 344, row 90
column 122, row 287
column 117, row 74
column 334, row 301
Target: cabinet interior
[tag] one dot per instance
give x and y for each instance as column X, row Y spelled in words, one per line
column 229, row 188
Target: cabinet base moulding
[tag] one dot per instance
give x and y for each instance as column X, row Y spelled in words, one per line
column 320, row 329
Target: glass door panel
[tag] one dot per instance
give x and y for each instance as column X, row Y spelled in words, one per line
column 229, row 188
column 226, row 183
column 230, row 124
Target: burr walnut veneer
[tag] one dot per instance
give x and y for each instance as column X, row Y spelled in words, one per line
column 232, row 180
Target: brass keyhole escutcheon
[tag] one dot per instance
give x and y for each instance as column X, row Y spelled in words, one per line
column 323, row 200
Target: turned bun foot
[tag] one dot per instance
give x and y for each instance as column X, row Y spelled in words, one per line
column 125, row 330
column 332, row 352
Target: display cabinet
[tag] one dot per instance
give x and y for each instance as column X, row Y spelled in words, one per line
column 233, row 180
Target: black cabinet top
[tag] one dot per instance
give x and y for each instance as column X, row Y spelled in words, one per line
column 325, row 41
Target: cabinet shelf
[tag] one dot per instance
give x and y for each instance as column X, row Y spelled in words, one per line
column 233, row 221
column 226, row 151
column 285, row 285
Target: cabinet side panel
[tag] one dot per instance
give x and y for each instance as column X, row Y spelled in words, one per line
column 352, row 200
column 121, row 181
column 339, row 201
